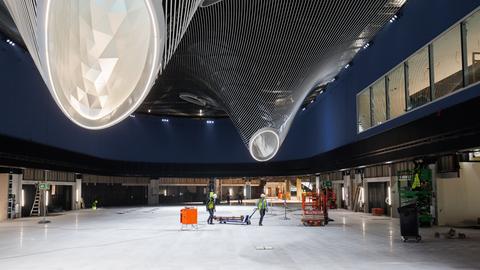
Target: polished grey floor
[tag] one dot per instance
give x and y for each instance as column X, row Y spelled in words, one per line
column 150, row 238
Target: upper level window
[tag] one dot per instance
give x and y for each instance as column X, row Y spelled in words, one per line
column 447, row 63
column 364, row 113
column 379, row 102
column 418, row 79
column 396, row 91
column 472, row 27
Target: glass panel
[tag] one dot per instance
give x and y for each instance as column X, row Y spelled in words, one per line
column 363, row 105
column 396, row 91
column 447, row 63
column 379, row 102
column 472, row 26
column 418, row 79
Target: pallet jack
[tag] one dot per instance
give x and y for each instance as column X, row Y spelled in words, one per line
column 242, row 220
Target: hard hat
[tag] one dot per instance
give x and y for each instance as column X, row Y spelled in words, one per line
column 263, row 195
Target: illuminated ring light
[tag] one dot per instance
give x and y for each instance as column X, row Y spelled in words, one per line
column 264, row 144
column 101, row 65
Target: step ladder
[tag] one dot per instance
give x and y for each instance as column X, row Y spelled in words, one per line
column 36, row 203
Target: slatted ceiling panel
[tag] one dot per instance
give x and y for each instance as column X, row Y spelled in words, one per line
column 263, row 57
column 178, row 15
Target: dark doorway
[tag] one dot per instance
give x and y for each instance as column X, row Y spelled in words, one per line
column 377, row 193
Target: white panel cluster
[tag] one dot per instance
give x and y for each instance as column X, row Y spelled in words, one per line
column 99, row 59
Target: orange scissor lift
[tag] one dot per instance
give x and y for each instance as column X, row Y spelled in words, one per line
column 315, row 212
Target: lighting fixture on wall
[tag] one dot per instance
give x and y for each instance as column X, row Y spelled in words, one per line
column 389, row 196
column 362, row 195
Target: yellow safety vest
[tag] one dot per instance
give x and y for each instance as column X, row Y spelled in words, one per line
column 211, row 203
column 262, row 204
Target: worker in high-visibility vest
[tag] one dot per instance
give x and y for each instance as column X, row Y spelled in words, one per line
column 211, row 207
column 262, row 208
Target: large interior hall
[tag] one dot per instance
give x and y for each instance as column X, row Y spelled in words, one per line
column 239, row 134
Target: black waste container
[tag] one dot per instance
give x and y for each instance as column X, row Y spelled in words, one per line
column 409, row 222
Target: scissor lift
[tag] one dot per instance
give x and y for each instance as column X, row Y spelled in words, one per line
column 314, row 207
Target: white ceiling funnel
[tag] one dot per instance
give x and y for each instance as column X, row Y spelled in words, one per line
column 99, row 59
column 264, row 144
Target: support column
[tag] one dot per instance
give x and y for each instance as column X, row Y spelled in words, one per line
column 153, row 192
column 17, row 180
column 218, row 189
column 365, row 195
column 394, row 200
column 317, row 184
column 77, row 193
column 248, row 190
column 434, row 208
column 355, row 185
column 287, row 193
column 299, row 189
column 347, row 190
column 3, row 196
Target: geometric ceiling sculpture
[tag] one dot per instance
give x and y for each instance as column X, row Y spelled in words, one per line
column 261, row 58
column 258, row 59
column 100, row 59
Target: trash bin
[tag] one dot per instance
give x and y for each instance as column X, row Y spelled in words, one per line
column 409, row 222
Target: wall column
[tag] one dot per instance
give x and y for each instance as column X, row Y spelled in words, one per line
column 248, row 190
column 347, row 190
column 394, row 195
column 153, row 192
column 434, row 208
column 3, row 196
column 365, row 195
column 77, row 193
column 17, row 180
column 299, row 189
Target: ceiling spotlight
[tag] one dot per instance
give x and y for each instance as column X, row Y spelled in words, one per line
column 347, row 66
column 210, row 122
column 200, row 112
column 321, row 92
column 303, row 109
column 311, row 101
column 366, row 45
column 149, row 110
column 393, row 18
column 165, row 120
column 132, row 115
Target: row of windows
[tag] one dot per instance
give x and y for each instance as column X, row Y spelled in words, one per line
column 449, row 63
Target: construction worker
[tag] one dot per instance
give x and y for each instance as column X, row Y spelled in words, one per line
column 211, row 207
column 262, row 208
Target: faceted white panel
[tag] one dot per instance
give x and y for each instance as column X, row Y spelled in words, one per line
column 103, row 60
column 99, row 58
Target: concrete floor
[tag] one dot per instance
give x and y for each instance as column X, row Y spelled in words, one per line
column 150, row 238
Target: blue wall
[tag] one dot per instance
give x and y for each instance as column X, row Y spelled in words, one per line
column 29, row 112
column 331, row 121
